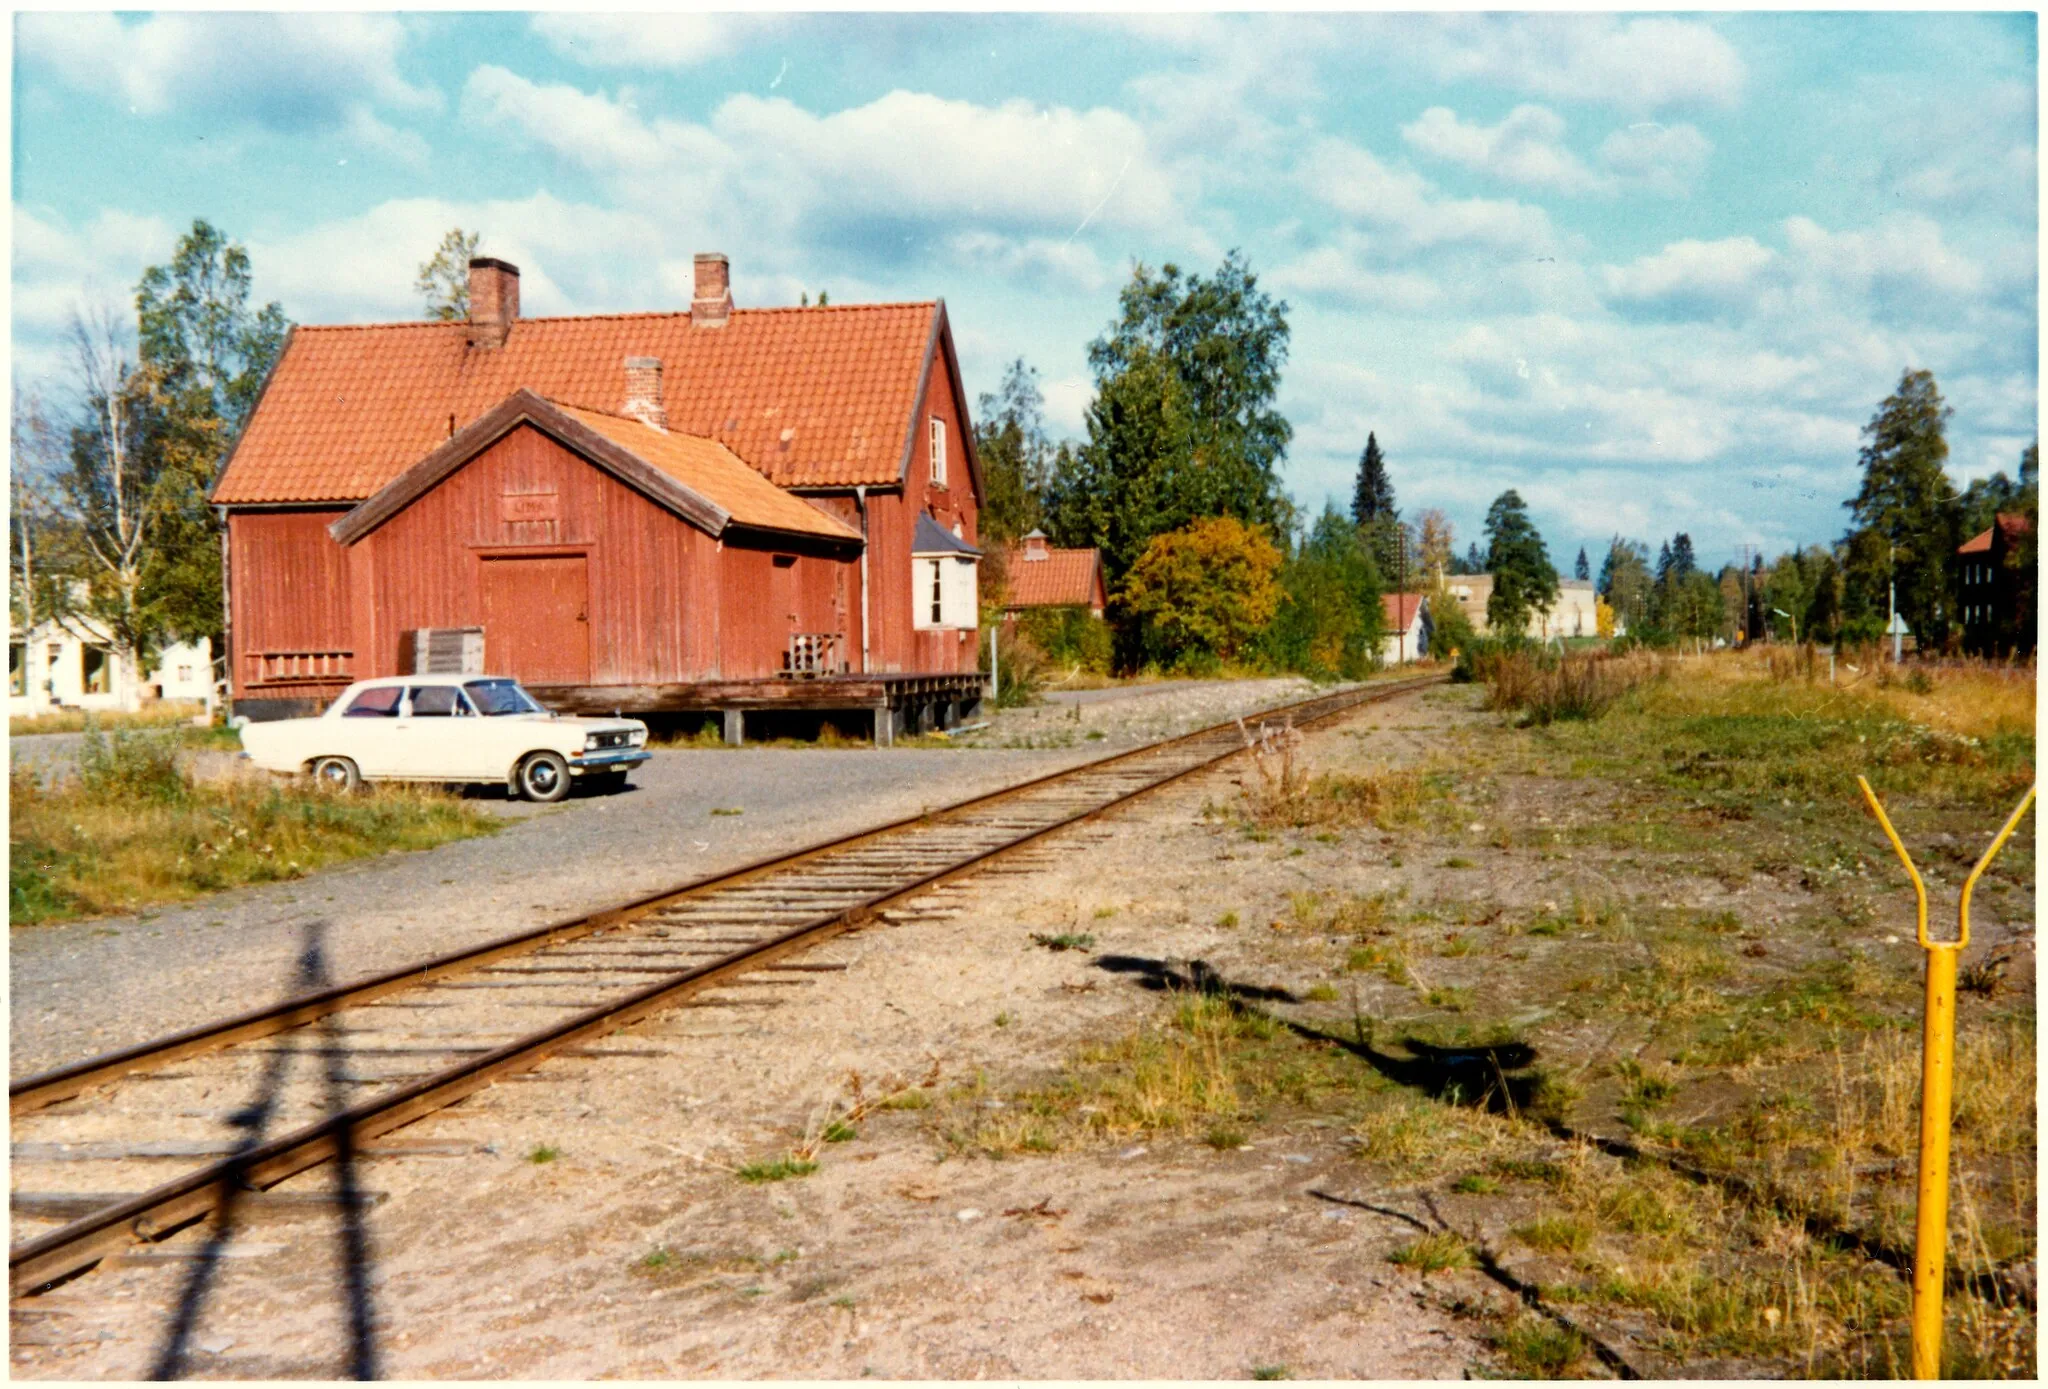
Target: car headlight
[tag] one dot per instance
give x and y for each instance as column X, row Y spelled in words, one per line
column 639, row 736
column 591, row 742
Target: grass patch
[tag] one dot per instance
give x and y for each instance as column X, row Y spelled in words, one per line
column 1066, row 940
column 1557, row 1234
column 780, row 1169
column 542, row 1153
column 1433, row 1253
column 133, row 830
column 1535, row 1347
column 162, row 714
column 1297, row 800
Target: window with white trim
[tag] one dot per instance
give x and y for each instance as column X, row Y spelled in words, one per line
column 938, row 452
column 944, row 593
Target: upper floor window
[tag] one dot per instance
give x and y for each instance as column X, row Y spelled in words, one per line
column 938, row 452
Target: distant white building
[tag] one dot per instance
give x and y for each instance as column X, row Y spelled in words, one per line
column 1575, row 614
column 72, row 665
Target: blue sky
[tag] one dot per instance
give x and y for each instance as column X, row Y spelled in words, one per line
column 1653, row 271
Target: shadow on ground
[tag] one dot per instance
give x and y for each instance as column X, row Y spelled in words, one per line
column 1495, row 1076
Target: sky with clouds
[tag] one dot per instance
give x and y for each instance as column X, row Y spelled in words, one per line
column 1654, row 272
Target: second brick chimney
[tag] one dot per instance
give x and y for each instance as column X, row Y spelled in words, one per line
column 643, row 392
column 493, row 301
column 712, row 305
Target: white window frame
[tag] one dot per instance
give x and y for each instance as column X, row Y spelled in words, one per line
column 944, row 593
column 938, row 447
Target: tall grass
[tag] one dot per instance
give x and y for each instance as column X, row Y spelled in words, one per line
column 158, row 714
column 133, row 830
column 1548, row 688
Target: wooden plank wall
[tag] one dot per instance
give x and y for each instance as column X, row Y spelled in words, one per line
column 668, row 603
column 898, row 645
column 288, row 586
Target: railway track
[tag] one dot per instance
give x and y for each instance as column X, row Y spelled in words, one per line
column 91, row 1141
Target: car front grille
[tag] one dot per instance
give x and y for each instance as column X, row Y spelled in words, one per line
column 614, row 740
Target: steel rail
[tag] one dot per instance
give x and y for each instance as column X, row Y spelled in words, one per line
column 60, row 1253
column 48, row 1087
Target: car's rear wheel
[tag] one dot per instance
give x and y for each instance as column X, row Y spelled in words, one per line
column 544, row 777
column 337, row 773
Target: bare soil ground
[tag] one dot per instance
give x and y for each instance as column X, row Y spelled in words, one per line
column 1231, row 1133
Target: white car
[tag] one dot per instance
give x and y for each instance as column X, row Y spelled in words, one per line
column 456, row 728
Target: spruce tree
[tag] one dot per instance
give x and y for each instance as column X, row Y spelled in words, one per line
column 1904, row 513
column 1524, row 582
column 1582, row 571
column 1373, row 497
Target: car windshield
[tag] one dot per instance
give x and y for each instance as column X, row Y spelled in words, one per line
column 501, row 697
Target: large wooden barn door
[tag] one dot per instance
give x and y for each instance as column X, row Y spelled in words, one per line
column 537, row 619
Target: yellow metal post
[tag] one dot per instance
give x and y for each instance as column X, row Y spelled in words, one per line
column 1937, row 1089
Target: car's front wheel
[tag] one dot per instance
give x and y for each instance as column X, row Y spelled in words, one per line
column 544, row 777
column 337, row 773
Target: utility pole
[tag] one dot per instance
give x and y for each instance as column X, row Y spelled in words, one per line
column 1891, row 599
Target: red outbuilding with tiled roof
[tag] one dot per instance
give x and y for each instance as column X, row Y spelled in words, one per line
column 1044, row 576
column 850, row 421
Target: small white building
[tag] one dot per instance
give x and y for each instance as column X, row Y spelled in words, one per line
column 1407, row 628
column 70, row 664
column 1575, row 614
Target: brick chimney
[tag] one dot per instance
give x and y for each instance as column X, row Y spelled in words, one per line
column 713, row 303
column 493, row 301
column 1034, row 545
column 643, row 392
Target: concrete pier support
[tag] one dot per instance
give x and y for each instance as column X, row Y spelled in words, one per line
column 735, row 727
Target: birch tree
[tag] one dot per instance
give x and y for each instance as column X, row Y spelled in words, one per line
column 111, row 493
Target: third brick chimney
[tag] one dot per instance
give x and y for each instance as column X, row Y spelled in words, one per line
column 493, row 301
column 712, row 305
column 643, row 392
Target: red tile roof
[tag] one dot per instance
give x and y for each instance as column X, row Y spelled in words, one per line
column 711, row 470
column 813, row 397
column 1399, row 610
column 1063, row 578
column 2013, row 526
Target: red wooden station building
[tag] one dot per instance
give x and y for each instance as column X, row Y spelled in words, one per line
column 714, row 510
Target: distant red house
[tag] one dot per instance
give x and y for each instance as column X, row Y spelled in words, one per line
column 1997, row 589
column 1042, row 576
column 648, row 511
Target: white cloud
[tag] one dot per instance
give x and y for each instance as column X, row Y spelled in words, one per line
column 589, row 129
column 406, row 147
column 1070, row 265
column 1634, row 64
column 1692, row 274
column 1353, row 181
column 1527, row 147
column 1664, row 159
column 573, row 257
column 290, row 72
column 650, row 40
column 1337, row 275
column 1905, row 251
column 906, row 163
